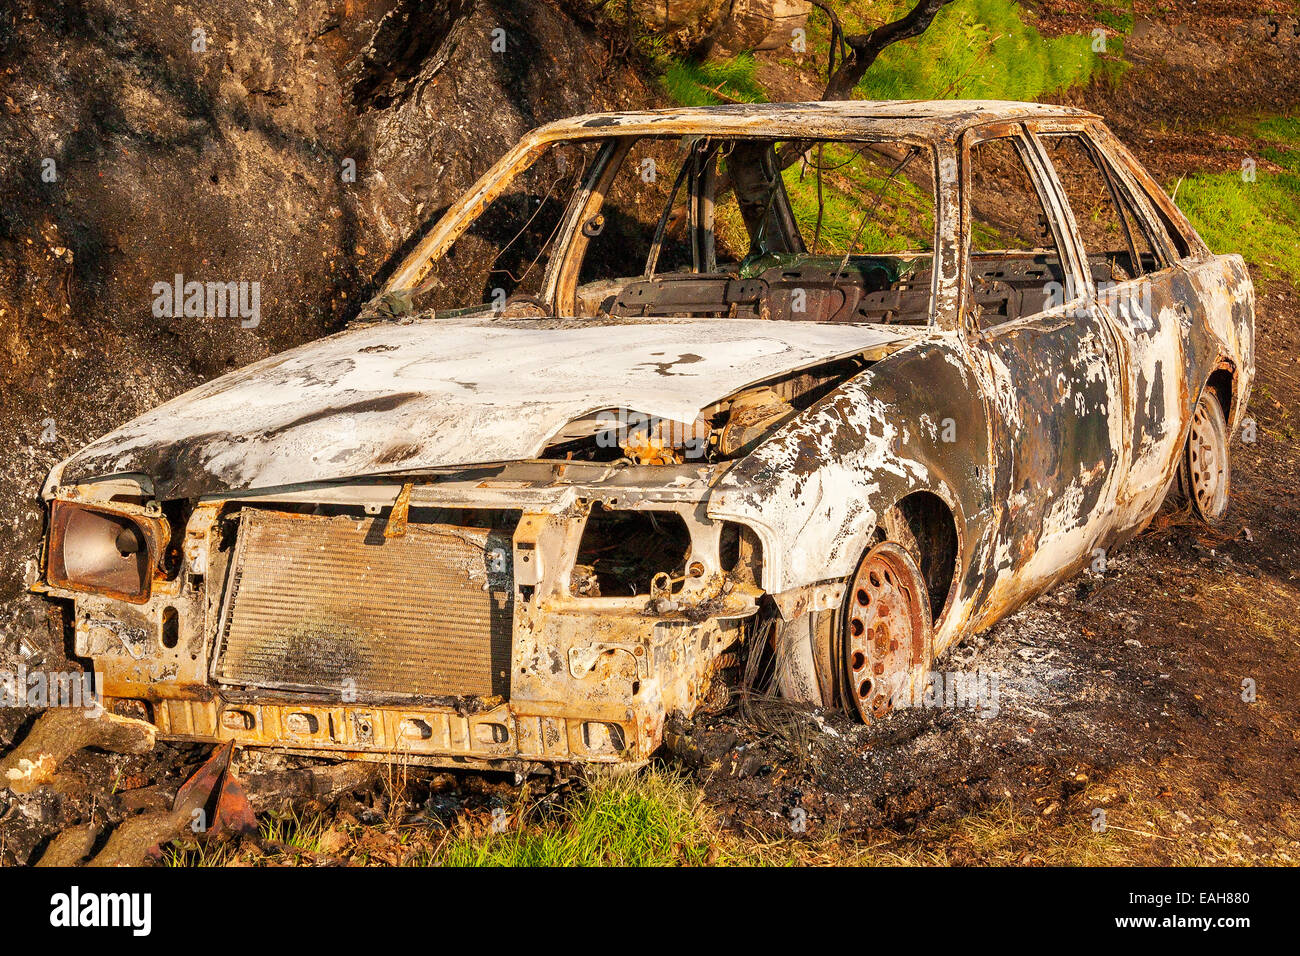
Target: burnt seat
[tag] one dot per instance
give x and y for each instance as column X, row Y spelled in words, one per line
column 797, row 288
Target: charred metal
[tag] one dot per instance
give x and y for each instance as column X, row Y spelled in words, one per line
column 529, row 530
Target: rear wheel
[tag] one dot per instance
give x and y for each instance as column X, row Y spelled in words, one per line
column 1204, row 471
column 886, row 630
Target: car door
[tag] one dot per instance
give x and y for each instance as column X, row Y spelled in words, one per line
column 1145, row 294
column 1047, row 363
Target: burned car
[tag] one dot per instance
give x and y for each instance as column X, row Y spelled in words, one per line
column 666, row 393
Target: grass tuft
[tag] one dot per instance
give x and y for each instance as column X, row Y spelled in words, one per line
column 1115, row 14
column 712, row 82
column 293, row 832
column 654, row 819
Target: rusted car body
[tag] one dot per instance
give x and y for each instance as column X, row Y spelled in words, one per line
column 526, row 532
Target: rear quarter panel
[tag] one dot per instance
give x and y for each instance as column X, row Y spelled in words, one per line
column 1225, row 327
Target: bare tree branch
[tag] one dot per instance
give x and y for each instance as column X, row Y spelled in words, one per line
column 856, row 54
column 864, row 48
column 837, row 36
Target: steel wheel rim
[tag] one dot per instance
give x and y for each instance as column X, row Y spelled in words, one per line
column 886, row 626
column 1207, row 461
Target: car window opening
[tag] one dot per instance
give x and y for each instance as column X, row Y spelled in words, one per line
column 735, row 245
column 699, row 227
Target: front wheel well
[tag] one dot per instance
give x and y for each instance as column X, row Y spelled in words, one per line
column 925, row 525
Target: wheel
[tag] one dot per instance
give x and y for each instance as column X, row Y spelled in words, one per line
column 1204, row 470
column 521, row 306
column 886, row 630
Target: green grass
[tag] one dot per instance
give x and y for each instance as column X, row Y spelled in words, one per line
column 296, row 831
column 976, row 49
column 1282, row 134
column 698, row 84
column 649, row 820
column 300, row 832
column 902, row 218
column 1115, row 14
column 1260, row 219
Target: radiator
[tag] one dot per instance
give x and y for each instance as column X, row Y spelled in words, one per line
column 313, row 603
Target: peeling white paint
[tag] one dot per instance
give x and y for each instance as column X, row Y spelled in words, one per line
column 433, row 393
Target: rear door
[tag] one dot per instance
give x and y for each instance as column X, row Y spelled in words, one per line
column 1048, row 367
column 1145, row 293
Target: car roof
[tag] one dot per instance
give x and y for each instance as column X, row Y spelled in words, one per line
column 928, row 119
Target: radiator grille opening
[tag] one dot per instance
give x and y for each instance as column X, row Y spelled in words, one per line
column 329, row 605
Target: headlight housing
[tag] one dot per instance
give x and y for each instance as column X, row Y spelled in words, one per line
column 104, row 550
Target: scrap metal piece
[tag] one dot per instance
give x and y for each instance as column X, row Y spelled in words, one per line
column 211, row 788
column 234, row 814
column 231, row 811
column 196, row 793
column 396, row 526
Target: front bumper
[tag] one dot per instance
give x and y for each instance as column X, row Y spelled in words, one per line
column 591, row 680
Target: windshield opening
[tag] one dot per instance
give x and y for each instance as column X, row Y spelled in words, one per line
column 700, row 226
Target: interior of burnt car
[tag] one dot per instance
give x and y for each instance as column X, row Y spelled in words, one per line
column 1014, row 268
column 706, row 227
column 760, row 229
column 1114, row 238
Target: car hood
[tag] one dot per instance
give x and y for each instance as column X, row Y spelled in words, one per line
column 431, row 393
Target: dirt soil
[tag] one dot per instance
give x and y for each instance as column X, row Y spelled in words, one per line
column 1126, row 690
